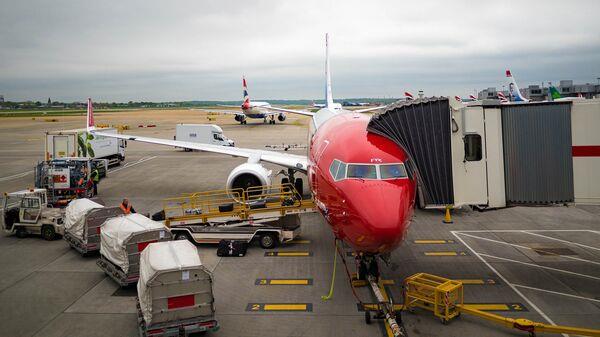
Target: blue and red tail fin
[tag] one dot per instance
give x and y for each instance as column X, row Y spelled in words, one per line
column 246, row 102
column 513, row 89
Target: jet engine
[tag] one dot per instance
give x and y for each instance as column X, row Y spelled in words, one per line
column 248, row 175
column 239, row 118
column 281, row 117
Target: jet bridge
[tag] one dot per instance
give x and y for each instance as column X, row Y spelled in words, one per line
column 422, row 128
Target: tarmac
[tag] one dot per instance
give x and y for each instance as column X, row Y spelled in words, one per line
column 48, row 289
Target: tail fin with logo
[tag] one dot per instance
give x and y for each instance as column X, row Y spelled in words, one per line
column 246, row 103
column 554, row 94
column 513, row 89
column 90, row 116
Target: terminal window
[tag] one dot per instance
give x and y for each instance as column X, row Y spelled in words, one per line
column 473, row 147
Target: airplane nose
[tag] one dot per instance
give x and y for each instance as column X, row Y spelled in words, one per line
column 380, row 217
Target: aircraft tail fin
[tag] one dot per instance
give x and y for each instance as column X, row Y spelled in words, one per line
column 246, row 103
column 328, row 94
column 513, row 89
column 408, row 96
column 473, row 97
column 554, row 94
column 90, row 116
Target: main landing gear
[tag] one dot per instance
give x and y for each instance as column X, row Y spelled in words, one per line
column 271, row 119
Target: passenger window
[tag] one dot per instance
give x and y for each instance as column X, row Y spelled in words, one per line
column 341, row 173
column 362, row 171
column 392, row 171
column 334, row 168
column 473, row 147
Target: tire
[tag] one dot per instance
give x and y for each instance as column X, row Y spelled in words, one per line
column 299, row 185
column 21, row 233
column 48, row 233
column 268, row 241
column 367, row 317
column 180, row 235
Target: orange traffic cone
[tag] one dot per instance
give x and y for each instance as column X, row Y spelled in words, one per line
column 448, row 216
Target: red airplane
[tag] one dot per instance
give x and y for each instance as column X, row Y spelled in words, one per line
column 358, row 179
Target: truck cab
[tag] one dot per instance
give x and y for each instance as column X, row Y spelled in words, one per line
column 27, row 212
column 202, row 133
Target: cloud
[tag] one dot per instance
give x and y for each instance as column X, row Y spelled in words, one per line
column 182, row 50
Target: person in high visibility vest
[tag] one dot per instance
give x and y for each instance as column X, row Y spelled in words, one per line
column 126, row 207
column 95, row 179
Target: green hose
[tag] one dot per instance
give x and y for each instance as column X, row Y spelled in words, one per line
column 335, row 254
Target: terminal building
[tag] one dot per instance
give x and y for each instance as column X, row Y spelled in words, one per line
column 540, row 93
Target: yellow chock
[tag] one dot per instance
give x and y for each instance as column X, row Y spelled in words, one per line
column 448, row 216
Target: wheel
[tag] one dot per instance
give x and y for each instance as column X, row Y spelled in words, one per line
column 362, row 271
column 367, row 317
column 181, row 236
column 299, row 185
column 48, row 233
column 21, row 233
column 268, row 240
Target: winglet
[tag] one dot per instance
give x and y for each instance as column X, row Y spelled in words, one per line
column 328, row 94
column 90, row 115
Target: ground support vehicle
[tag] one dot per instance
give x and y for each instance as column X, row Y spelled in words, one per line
column 66, row 179
column 202, row 133
column 80, row 143
column 175, row 295
column 268, row 214
column 122, row 240
column 28, row 212
column 83, row 219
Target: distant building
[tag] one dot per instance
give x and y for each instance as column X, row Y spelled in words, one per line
column 1, row 98
column 536, row 92
column 49, row 102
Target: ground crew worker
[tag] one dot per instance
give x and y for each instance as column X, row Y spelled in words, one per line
column 95, row 177
column 126, row 207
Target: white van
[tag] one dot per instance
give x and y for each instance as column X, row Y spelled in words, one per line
column 202, row 133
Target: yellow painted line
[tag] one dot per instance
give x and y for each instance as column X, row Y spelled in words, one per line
column 427, row 242
column 299, row 241
column 284, row 307
column 374, row 306
column 293, row 254
column 289, row 282
column 489, row 307
column 441, row 253
column 472, row 281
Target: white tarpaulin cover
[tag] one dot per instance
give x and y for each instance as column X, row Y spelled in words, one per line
column 75, row 216
column 160, row 257
column 115, row 233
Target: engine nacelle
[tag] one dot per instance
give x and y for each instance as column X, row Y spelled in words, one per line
column 239, row 118
column 281, row 117
column 249, row 175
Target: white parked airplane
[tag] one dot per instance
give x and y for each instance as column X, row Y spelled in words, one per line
column 255, row 110
column 513, row 89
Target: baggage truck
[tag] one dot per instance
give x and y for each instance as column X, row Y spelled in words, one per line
column 202, row 133
column 80, row 143
column 122, row 240
column 83, row 219
column 28, row 212
column 175, row 295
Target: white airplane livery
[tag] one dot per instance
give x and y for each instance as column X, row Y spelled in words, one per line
column 254, row 110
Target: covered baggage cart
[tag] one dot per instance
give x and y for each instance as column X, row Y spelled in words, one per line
column 122, row 239
column 175, row 296
column 83, row 218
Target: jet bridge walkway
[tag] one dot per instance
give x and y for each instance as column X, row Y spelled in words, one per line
column 226, row 206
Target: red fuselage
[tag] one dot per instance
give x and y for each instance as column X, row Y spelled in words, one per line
column 371, row 215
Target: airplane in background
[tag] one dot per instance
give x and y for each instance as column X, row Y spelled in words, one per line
column 255, row 110
column 557, row 97
column 473, row 98
column 408, row 96
column 502, row 97
column 358, row 179
column 513, row 89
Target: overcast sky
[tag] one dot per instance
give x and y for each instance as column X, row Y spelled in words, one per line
column 198, row 50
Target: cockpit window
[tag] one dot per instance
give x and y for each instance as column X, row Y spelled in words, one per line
column 334, row 168
column 362, row 171
column 392, row 171
column 341, row 173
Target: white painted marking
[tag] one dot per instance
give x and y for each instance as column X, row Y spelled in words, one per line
column 561, row 240
column 525, row 247
column 525, row 298
column 540, row 266
column 128, row 165
column 16, row 176
column 557, row 293
column 528, row 230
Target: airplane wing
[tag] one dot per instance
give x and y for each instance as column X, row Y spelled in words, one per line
column 288, row 160
column 370, row 109
column 298, row 112
column 226, row 112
